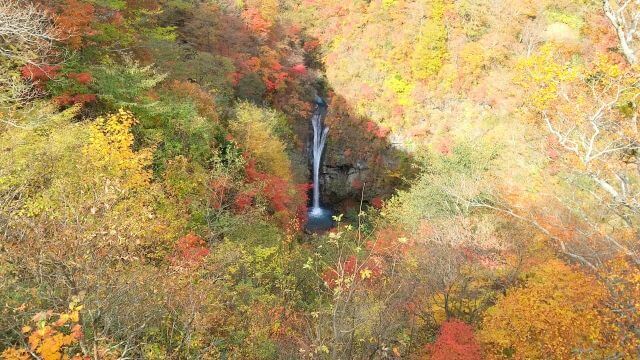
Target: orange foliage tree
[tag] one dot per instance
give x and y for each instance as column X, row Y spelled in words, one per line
column 51, row 336
column 74, row 21
column 558, row 313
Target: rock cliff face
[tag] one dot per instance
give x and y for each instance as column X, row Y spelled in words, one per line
column 340, row 177
column 379, row 175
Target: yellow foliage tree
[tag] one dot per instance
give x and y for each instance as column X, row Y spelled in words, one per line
column 431, row 48
column 542, row 74
column 110, row 148
column 268, row 8
column 623, row 280
column 255, row 128
column 554, row 315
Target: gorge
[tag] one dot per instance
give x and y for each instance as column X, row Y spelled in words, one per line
column 319, row 179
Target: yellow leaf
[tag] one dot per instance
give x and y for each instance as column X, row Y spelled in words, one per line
column 74, row 316
column 62, row 320
column 365, row 274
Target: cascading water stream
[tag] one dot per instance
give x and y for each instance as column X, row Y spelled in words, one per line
column 319, row 218
column 320, row 133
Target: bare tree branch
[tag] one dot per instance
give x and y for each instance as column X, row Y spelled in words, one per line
column 625, row 18
column 27, row 32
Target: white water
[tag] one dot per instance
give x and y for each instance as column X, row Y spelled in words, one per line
column 319, row 140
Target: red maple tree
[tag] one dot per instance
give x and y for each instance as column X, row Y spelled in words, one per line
column 456, row 341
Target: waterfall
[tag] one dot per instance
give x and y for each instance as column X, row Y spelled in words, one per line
column 319, row 219
column 319, row 140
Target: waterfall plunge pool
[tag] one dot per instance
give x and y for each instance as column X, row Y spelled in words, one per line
column 319, row 220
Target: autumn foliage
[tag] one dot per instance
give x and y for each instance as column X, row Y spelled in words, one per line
column 519, row 321
column 51, row 336
column 40, row 74
column 456, row 341
column 480, row 179
column 190, row 250
column 74, row 19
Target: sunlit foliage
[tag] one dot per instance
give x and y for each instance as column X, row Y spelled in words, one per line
column 555, row 314
column 481, row 166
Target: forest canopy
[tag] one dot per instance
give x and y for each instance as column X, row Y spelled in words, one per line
column 482, row 168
